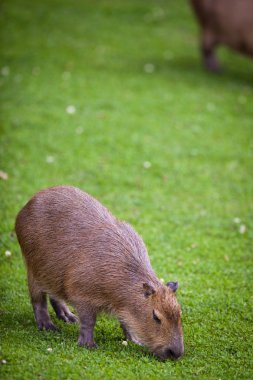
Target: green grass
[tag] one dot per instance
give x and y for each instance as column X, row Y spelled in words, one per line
column 193, row 127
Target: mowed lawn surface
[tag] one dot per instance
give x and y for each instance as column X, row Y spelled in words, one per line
column 162, row 143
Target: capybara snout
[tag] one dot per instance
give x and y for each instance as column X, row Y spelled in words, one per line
column 77, row 252
column 166, row 335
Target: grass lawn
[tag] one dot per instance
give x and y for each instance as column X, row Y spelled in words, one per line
column 162, row 143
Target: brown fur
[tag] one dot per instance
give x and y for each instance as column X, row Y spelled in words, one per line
column 76, row 251
column 227, row 22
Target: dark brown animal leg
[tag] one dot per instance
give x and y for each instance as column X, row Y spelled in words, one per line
column 125, row 331
column 41, row 314
column 62, row 311
column 208, row 46
column 87, row 320
column 39, row 303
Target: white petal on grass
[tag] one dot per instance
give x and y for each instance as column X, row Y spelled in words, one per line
column 49, row 349
column 242, row 229
column 3, row 361
column 124, row 343
column 3, row 175
column 210, row 107
column 49, row 159
column 71, row 110
column 147, row 165
column 7, row 253
column 149, row 68
column 5, row 71
column 79, row 130
column 66, row 75
column 237, row 220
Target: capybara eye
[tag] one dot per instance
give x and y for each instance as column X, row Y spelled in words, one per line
column 156, row 317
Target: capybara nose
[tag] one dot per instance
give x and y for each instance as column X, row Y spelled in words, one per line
column 173, row 353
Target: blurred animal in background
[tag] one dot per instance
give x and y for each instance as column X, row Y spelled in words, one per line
column 224, row 22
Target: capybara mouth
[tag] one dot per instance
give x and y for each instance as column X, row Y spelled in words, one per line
column 168, row 354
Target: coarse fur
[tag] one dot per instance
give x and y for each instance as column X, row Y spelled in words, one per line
column 76, row 251
column 226, row 22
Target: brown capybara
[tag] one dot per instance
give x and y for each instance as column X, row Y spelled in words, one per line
column 226, row 22
column 77, row 251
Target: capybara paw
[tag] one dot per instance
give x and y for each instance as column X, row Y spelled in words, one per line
column 72, row 318
column 47, row 325
column 68, row 317
column 90, row 344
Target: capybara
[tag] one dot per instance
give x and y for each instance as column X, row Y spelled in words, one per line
column 76, row 251
column 226, row 22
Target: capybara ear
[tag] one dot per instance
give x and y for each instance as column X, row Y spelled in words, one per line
column 148, row 290
column 172, row 285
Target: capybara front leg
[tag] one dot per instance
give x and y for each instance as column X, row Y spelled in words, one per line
column 125, row 331
column 87, row 321
column 128, row 335
column 62, row 311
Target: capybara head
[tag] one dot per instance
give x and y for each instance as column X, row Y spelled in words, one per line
column 157, row 321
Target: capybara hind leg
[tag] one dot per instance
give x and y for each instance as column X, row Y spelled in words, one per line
column 62, row 311
column 41, row 314
column 39, row 304
column 87, row 321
